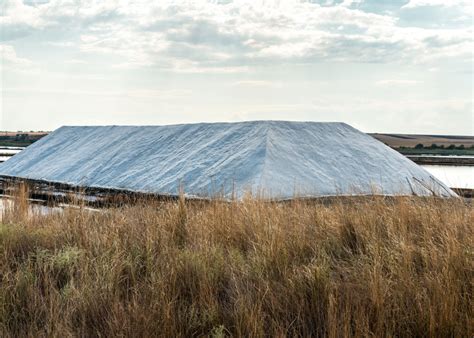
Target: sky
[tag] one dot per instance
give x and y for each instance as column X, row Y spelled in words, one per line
column 399, row 66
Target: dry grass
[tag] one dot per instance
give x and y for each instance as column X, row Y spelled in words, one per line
column 377, row 267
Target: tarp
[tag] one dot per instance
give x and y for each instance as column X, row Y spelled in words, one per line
column 273, row 159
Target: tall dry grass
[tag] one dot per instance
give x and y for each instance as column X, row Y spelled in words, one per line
column 375, row 267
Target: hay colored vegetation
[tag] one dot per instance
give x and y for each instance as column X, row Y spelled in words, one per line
column 378, row 267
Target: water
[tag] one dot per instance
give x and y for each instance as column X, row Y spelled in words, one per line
column 34, row 209
column 12, row 148
column 7, row 152
column 453, row 176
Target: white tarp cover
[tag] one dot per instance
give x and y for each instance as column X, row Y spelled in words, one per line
column 275, row 159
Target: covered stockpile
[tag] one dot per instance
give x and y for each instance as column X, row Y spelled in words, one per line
column 271, row 159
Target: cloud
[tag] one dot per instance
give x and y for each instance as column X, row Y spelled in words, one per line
column 398, row 82
column 141, row 93
column 18, row 20
column 233, row 36
column 75, row 62
column 349, row 3
column 9, row 57
column 441, row 3
column 257, row 83
column 66, row 44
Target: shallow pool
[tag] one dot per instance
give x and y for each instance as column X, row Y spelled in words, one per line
column 453, row 176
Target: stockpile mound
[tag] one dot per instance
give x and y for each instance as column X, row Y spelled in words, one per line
column 272, row 159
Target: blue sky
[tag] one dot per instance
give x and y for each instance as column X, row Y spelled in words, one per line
column 387, row 66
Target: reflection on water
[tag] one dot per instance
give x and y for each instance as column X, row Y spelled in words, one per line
column 7, row 152
column 7, row 206
column 453, row 176
column 38, row 209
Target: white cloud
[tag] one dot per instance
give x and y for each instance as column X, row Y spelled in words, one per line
column 75, row 62
column 133, row 93
column 398, row 82
column 66, row 44
column 349, row 3
column 15, row 12
column 199, row 36
column 258, row 83
column 441, row 3
column 9, row 57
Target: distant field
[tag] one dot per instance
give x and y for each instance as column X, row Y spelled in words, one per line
column 429, row 151
column 20, row 138
column 411, row 141
column 429, row 144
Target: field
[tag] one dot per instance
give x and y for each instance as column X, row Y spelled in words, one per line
column 20, row 138
column 429, row 144
column 410, row 141
column 366, row 267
